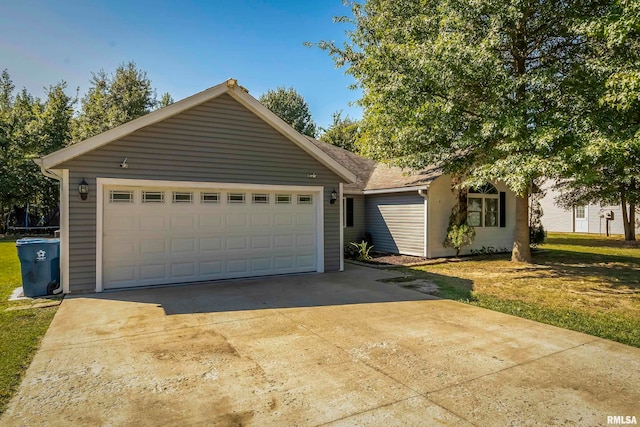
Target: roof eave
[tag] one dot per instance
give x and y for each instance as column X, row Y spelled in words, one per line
column 396, row 189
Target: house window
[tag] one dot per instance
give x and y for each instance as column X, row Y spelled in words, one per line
column 348, row 211
column 305, row 199
column 483, row 206
column 182, row 197
column 260, row 198
column 120, row 196
column 153, row 197
column 283, row 199
column 209, row 197
column 235, row 197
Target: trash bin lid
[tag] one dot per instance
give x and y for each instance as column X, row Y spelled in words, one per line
column 35, row 241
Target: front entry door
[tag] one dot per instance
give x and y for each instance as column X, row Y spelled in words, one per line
column 581, row 219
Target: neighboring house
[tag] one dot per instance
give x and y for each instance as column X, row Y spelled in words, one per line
column 216, row 187
column 590, row 218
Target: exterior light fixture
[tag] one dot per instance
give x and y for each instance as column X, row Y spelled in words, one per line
column 83, row 189
column 334, row 197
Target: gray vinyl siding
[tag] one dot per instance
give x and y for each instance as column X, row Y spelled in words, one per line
column 396, row 222
column 356, row 233
column 218, row 141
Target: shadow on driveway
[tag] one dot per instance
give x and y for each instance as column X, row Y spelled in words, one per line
column 356, row 285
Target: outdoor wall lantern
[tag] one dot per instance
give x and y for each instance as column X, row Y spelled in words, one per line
column 83, row 189
column 334, row 197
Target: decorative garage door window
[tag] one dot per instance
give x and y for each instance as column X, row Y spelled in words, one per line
column 119, row 196
column 235, row 197
column 182, row 197
column 305, row 199
column 260, row 198
column 153, row 197
column 209, row 197
column 283, row 199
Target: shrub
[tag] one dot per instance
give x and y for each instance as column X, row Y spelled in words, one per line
column 363, row 249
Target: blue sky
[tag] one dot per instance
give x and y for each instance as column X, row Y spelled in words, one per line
column 185, row 46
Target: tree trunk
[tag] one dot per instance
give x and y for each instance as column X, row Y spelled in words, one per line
column 521, row 251
column 627, row 222
column 632, row 223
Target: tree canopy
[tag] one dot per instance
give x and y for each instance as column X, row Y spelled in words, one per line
column 31, row 127
column 291, row 107
column 482, row 88
column 114, row 99
column 343, row 132
column 605, row 167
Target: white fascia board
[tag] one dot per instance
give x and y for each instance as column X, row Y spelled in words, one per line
column 395, row 190
column 104, row 138
column 281, row 126
column 353, row 192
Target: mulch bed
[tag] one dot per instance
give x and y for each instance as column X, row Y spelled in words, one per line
column 394, row 259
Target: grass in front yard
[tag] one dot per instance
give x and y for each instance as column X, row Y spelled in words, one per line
column 586, row 283
column 20, row 330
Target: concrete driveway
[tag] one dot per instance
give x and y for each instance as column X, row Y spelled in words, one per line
column 337, row 349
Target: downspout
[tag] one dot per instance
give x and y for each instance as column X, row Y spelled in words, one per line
column 63, row 251
column 423, row 193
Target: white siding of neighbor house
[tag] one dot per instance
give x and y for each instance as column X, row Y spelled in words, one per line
column 356, row 233
column 441, row 200
column 396, row 222
column 219, row 141
column 557, row 219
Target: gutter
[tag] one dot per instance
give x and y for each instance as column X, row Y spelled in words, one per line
column 46, row 172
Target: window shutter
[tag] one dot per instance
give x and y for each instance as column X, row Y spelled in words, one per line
column 503, row 209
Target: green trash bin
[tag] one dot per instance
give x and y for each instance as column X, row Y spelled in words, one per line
column 40, row 266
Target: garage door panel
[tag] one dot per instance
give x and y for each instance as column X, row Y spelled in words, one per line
column 283, row 241
column 182, row 222
column 163, row 243
column 261, row 242
column 153, row 272
column 306, row 261
column 236, row 219
column 236, row 243
column 183, row 246
column 154, row 222
column 152, row 246
column 184, row 270
column 283, row 219
column 261, row 265
column 211, row 268
column 211, row 221
column 261, row 220
column 238, row 266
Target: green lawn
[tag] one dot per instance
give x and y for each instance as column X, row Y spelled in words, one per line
column 20, row 330
column 586, row 283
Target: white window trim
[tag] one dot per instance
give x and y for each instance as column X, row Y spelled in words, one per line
column 101, row 183
column 483, row 211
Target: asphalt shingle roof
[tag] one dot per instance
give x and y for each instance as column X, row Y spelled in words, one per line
column 377, row 176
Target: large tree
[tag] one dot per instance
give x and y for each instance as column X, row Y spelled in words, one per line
column 605, row 168
column 343, row 132
column 291, row 107
column 114, row 99
column 29, row 128
column 482, row 88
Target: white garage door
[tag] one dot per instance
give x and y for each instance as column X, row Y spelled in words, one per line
column 155, row 236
